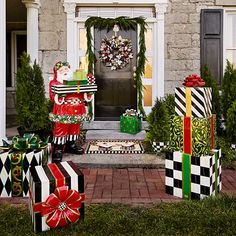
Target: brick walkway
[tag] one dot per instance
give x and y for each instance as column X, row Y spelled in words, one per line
column 131, row 186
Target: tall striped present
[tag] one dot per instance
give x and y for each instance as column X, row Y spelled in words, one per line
column 193, row 101
column 194, row 177
column 63, row 181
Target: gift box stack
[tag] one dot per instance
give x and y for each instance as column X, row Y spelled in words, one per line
column 193, row 166
column 130, row 122
column 15, row 161
column 56, row 195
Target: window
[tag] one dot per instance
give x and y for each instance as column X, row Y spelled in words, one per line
column 230, row 36
column 16, row 45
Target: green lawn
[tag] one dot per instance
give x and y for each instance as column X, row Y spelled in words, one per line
column 214, row 216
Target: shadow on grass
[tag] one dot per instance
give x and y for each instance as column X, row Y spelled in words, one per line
column 212, row 216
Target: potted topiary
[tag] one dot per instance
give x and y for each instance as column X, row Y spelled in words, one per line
column 158, row 125
column 31, row 104
column 231, row 124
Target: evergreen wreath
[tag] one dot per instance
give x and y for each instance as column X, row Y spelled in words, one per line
column 124, row 23
column 116, row 52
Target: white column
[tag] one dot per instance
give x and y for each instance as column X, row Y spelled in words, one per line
column 160, row 48
column 32, row 28
column 71, row 34
column 3, row 68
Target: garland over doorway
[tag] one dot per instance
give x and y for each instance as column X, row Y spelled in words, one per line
column 124, row 23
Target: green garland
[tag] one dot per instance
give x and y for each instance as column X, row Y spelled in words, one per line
column 125, row 24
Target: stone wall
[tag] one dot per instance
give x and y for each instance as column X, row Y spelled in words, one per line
column 182, row 38
column 52, row 36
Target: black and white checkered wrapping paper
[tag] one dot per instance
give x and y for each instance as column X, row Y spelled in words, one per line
column 203, row 178
column 42, row 184
column 201, row 101
column 32, row 158
column 65, row 89
column 159, row 146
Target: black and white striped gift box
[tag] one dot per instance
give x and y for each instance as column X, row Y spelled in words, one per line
column 65, row 89
column 43, row 181
column 201, row 101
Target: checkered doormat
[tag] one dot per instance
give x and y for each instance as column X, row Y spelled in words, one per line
column 114, row 147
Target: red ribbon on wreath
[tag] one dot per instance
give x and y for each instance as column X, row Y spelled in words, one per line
column 61, row 207
column 194, row 81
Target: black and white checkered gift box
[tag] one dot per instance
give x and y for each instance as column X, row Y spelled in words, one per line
column 201, row 101
column 204, row 178
column 44, row 181
column 14, row 171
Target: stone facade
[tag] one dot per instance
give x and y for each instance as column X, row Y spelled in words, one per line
column 52, row 36
column 182, row 38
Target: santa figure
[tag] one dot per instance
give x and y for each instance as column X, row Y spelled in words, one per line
column 67, row 112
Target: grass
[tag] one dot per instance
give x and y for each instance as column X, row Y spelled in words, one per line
column 213, row 216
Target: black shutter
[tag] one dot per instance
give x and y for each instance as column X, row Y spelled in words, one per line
column 212, row 42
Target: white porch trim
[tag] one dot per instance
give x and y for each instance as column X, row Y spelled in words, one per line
column 160, row 7
column 3, row 68
column 32, row 28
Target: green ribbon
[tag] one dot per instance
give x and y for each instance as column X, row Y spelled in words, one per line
column 186, row 175
column 216, row 171
column 27, row 142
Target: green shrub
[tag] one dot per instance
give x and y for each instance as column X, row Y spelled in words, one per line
column 231, row 123
column 158, row 121
column 170, row 103
column 31, row 105
column 216, row 102
column 228, row 88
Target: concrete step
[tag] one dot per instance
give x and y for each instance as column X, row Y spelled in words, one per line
column 116, row 160
column 113, row 135
column 106, row 125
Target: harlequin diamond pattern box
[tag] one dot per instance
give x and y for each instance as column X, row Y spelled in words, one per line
column 56, row 195
column 14, row 170
column 194, row 177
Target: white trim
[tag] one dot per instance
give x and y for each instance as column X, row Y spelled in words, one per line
column 3, row 68
column 227, row 11
column 160, row 7
column 14, row 56
column 116, row 2
column 32, row 28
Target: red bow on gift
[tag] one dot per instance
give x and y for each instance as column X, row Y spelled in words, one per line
column 62, row 207
column 194, row 81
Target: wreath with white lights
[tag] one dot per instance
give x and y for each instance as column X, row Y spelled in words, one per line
column 116, row 52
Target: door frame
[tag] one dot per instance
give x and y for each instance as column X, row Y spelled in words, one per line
column 14, row 35
column 159, row 6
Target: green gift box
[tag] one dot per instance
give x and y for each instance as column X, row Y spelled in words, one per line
column 130, row 124
column 75, row 82
column 79, row 75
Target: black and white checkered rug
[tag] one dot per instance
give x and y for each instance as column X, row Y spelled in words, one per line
column 114, row 147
